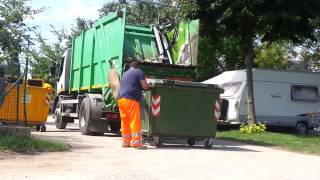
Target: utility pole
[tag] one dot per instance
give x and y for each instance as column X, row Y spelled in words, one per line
column 25, row 80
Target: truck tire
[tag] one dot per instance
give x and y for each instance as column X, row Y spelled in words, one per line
column 84, row 116
column 60, row 121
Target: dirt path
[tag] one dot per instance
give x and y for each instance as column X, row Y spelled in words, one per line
column 102, row 158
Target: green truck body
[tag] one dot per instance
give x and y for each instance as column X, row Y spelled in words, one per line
column 109, row 43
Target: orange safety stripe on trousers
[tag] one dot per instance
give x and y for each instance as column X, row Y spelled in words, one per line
column 130, row 121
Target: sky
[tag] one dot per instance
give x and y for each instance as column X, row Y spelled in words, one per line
column 62, row 13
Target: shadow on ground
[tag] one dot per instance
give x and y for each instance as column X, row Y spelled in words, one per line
column 218, row 145
column 174, row 143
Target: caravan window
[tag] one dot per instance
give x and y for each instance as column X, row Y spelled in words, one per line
column 231, row 88
column 304, row 93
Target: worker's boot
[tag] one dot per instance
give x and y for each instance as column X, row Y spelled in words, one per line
column 125, row 145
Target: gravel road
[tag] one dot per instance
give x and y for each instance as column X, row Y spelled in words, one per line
column 101, row 157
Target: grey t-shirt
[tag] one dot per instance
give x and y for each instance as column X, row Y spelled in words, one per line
column 130, row 86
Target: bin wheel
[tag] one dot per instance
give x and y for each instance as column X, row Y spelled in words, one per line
column 208, row 143
column 115, row 126
column 37, row 127
column 84, row 117
column 43, row 128
column 143, row 140
column 157, row 141
column 191, row 141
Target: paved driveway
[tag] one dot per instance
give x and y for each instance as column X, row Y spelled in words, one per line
column 101, row 157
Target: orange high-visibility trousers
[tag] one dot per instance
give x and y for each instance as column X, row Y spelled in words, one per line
column 130, row 122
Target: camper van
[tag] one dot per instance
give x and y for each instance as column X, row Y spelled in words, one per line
column 282, row 97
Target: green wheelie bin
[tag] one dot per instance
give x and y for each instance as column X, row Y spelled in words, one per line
column 179, row 109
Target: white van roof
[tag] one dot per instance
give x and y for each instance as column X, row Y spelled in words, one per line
column 228, row 76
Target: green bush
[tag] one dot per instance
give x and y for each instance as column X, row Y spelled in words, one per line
column 255, row 128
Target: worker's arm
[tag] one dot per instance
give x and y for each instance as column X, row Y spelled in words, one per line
column 144, row 84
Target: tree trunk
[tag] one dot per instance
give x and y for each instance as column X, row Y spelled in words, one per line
column 250, row 97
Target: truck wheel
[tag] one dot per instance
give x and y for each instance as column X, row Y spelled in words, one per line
column 301, row 128
column 60, row 121
column 84, row 117
column 115, row 126
column 191, row 141
column 208, row 143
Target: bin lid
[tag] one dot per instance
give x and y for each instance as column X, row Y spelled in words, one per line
column 172, row 83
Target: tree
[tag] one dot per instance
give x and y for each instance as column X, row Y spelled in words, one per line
column 272, row 55
column 81, row 24
column 13, row 32
column 249, row 19
column 218, row 54
column 154, row 12
column 310, row 54
column 46, row 60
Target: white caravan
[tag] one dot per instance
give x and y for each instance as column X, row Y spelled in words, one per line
column 282, row 97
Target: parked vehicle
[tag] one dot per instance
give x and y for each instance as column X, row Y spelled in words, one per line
column 282, row 97
column 84, row 90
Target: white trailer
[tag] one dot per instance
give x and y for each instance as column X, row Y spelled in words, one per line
column 282, row 97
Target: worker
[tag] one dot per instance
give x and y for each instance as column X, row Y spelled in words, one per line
column 131, row 86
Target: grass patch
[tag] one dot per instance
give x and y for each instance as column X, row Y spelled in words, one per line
column 30, row 145
column 297, row 143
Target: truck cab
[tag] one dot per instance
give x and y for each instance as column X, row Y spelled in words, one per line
column 64, row 73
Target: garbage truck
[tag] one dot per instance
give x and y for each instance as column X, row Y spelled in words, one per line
column 84, row 88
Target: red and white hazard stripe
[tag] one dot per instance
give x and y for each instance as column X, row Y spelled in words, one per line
column 156, row 105
column 217, row 110
column 48, row 99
